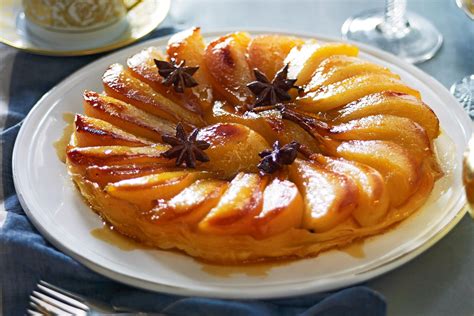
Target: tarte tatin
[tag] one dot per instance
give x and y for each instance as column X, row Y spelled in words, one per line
column 250, row 149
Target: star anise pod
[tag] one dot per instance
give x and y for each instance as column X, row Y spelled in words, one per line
column 185, row 148
column 273, row 159
column 177, row 75
column 270, row 93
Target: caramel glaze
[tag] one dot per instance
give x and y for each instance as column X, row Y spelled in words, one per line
column 62, row 143
column 355, row 250
column 255, row 269
column 108, row 235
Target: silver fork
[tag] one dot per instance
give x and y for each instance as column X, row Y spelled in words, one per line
column 48, row 299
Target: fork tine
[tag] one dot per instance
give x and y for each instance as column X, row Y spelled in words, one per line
column 46, row 308
column 59, row 304
column 62, row 291
column 33, row 313
column 89, row 303
column 40, row 309
column 65, row 298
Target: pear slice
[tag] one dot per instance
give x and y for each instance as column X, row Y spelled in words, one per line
column 226, row 60
column 238, row 206
column 392, row 103
column 94, row 132
column 233, row 148
column 118, row 155
column 329, row 197
column 144, row 191
column 399, row 168
column 190, row 205
column 267, row 52
column 343, row 92
column 126, row 116
column 142, row 66
column 374, row 200
column 189, row 46
column 339, row 67
column 304, row 61
column 120, row 84
column 282, row 209
column 400, row 130
column 103, row 175
column 298, row 56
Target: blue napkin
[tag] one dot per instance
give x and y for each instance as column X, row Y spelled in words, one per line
column 26, row 257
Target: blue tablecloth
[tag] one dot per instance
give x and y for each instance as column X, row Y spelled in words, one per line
column 26, row 257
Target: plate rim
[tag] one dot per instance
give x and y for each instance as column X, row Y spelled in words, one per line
column 308, row 287
column 91, row 51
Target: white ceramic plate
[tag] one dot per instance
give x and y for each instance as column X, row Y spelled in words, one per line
column 56, row 208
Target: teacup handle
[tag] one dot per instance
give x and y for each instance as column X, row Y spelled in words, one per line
column 133, row 5
column 468, row 175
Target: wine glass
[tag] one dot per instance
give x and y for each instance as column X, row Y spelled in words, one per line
column 407, row 35
column 463, row 90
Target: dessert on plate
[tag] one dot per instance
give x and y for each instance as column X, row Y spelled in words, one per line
column 253, row 148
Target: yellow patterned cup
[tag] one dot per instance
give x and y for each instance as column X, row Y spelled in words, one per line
column 77, row 22
column 75, row 15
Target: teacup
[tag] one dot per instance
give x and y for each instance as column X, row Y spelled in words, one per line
column 73, row 20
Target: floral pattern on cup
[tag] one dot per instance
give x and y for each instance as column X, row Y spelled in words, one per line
column 74, row 15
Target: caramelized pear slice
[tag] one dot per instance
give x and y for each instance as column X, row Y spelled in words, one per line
column 189, row 46
column 339, row 67
column 329, row 197
column 94, row 132
column 103, row 175
column 233, row 148
column 374, row 201
column 237, row 207
column 393, row 103
column 304, row 61
column 118, row 155
column 298, row 56
column 142, row 66
column 120, row 84
column 267, row 52
column 282, row 209
column 398, row 167
column 343, row 92
column 144, row 191
column 400, row 130
column 126, row 116
column 191, row 204
column 226, row 61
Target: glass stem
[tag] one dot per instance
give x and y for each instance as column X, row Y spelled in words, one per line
column 395, row 23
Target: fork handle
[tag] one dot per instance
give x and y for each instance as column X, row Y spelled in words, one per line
column 127, row 314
